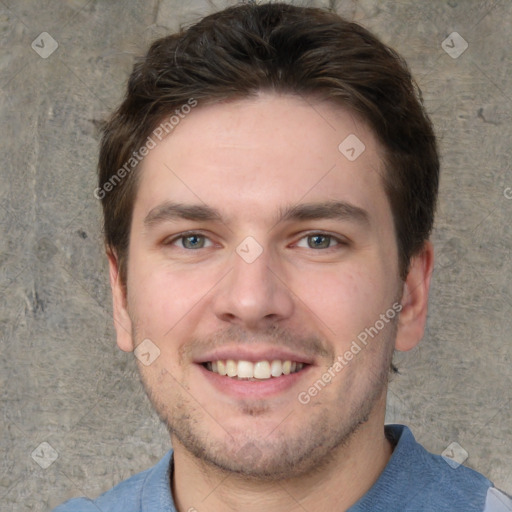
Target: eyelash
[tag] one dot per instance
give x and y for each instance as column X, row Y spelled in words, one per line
column 341, row 242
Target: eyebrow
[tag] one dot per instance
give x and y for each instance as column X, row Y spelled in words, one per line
column 170, row 211
column 337, row 210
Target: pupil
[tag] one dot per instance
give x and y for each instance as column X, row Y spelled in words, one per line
column 320, row 241
column 192, row 241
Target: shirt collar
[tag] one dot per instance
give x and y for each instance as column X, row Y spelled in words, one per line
column 156, row 491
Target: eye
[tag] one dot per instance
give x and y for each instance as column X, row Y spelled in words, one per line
column 190, row 241
column 320, row 241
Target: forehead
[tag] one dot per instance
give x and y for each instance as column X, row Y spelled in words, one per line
column 250, row 157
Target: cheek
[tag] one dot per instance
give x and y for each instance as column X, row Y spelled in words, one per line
column 163, row 299
column 344, row 302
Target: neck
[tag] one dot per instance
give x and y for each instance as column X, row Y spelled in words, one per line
column 337, row 485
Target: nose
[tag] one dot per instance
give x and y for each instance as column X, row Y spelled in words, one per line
column 254, row 294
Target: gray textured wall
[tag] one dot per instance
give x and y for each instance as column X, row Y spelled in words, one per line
column 62, row 378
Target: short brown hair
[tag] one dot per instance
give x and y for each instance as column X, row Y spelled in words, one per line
column 245, row 49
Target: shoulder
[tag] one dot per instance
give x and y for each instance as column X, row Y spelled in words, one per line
column 77, row 505
column 497, row 501
column 127, row 496
column 437, row 482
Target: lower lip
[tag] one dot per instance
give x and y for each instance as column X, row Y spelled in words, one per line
column 253, row 388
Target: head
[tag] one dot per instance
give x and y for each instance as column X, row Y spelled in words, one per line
column 233, row 135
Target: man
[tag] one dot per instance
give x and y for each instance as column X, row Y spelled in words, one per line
column 268, row 187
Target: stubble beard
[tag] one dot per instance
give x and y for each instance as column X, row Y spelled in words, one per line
column 312, row 445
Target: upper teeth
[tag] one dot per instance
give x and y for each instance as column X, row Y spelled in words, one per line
column 258, row 370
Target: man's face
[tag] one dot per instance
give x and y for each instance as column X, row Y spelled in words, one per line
column 271, row 169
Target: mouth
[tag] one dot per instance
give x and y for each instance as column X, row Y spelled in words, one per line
column 243, row 370
column 256, row 372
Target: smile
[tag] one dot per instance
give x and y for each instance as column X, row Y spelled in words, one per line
column 259, row 370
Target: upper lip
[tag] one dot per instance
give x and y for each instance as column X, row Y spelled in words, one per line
column 254, row 354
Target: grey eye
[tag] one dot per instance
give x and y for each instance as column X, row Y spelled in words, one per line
column 319, row 241
column 193, row 241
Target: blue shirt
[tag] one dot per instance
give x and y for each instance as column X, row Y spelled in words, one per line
column 414, row 480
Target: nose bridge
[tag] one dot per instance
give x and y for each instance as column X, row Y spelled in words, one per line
column 253, row 292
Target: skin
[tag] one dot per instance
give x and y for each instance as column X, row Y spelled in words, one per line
column 248, row 159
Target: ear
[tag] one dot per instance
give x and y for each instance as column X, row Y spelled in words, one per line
column 413, row 317
column 122, row 321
